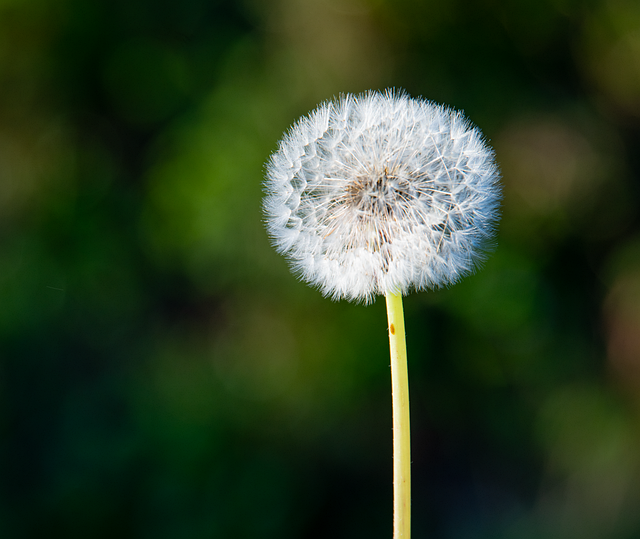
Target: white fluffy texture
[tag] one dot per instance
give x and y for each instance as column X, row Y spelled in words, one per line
column 381, row 192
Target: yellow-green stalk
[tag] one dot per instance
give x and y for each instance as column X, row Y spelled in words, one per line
column 401, row 427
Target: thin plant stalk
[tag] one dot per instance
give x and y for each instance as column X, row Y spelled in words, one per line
column 401, row 428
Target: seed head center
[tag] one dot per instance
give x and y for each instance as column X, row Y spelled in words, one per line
column 378, row 195
column 375, row 195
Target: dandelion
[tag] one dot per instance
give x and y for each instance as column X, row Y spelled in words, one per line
column 381, row 194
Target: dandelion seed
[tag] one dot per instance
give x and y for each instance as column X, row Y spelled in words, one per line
column 381, row 193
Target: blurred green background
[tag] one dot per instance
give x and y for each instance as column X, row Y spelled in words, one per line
column 162, row 374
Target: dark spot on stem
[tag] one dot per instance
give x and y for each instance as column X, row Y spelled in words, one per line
column 392, row 329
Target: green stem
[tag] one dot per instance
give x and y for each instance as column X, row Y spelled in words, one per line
column 401, row 428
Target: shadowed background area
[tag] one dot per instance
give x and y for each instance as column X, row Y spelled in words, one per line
column 162, row 374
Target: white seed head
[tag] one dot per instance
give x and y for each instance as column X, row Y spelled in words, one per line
column 381, row 193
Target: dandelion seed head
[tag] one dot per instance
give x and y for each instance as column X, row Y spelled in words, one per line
column 381, row 193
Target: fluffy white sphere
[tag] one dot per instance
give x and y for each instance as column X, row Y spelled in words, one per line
column 381, row 192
